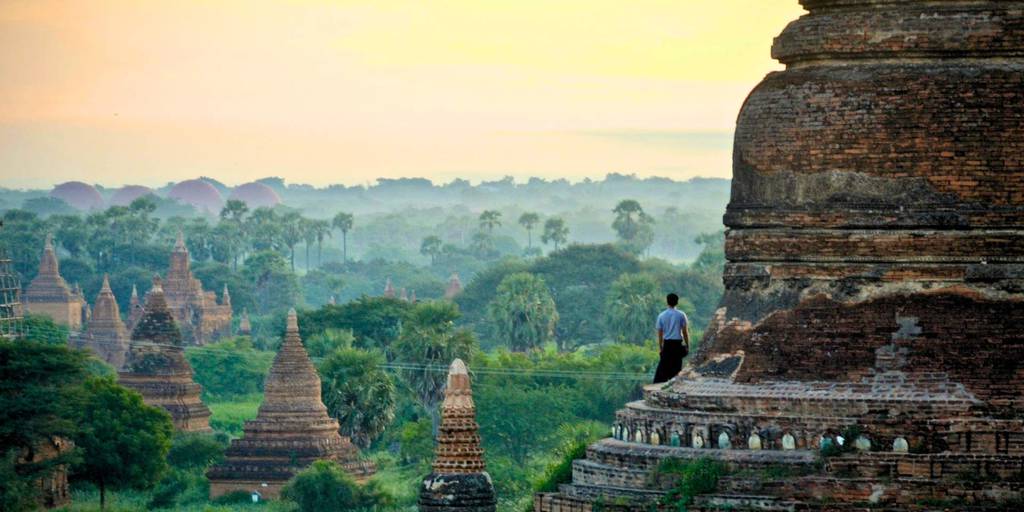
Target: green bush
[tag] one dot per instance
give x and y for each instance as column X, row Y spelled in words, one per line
column 326, row 486
column 693, row 478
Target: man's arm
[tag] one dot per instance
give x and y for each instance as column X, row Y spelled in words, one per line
column 661, row 338
column 686, row 334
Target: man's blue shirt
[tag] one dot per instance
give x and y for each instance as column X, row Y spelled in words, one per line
column 671, row 323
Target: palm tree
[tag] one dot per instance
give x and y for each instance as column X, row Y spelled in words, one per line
column 343, row 222
column 528, row 220
column 555, row 232
column 321, row 230
column 489, row 219
column 308, row 236
column 234, row 210
column 291, row 233
column 431, row 246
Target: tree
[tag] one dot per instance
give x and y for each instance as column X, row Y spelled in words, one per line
column 191, row 450
column 125, row 441
column 633, row 226
column 529, row 220
column 274, row 286
column 234, row 210
column 292, row 232
column 37, row 391
column 430, row 341
column 631, row 307
column 490, row 219
column 375, row 322
column 555, row 232
column 343, row 222
column 523, row 312
column 321, row 229
column 358, row 393
column 326, row 486
column 431, row 246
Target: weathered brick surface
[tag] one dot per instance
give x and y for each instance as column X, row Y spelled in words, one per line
column 874, row 285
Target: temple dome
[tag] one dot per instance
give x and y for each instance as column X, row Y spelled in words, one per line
column 198, row 193
column 81, row 196
column 256, row 195
column 128, row 193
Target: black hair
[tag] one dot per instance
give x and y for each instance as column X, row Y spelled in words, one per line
column 672, row 299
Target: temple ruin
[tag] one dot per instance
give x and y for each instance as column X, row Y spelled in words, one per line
column 291, row 430
column 49, row 295
column 459, row 481
column 865, row 354
column 105, row 334
column 201, row 317
column 454, row 287
column 156, row 366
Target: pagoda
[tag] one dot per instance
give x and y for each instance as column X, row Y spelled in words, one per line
column 454, row 286
column 156, row 366
column 135, row 309
column 199, row 315
column 865, row 354
column 459, row 482
column 48, row 294
column 105, row 333
column 291, row 430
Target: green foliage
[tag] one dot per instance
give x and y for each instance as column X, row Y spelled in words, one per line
column 325, row 343
column 417, row 441
column 692, row 478
column 633, row 226
column 375, row 322
column 478, row 294
column 430, row 341
column 561, row 471
column 43, row 329
column 326, row 486
column 579, row 277
column 196, row 451
column 38, row 390
column 275, row 286
column 229, row 416
column 523, row 312
column 125, row 442
column 229, row 368
column 555, row 232
column 358, row 393
column 631, row 308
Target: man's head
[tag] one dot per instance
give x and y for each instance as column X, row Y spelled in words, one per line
column 672, row 300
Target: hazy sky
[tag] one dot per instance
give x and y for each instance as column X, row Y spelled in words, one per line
column 329, row 91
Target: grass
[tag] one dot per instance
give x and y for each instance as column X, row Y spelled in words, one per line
column 87, row 499
column 229, row 416
column 401, row 481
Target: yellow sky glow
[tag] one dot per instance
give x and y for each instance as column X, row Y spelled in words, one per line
column 344, row 91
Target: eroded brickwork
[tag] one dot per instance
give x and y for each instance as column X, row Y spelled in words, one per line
column 874, row 287
column 201, row 317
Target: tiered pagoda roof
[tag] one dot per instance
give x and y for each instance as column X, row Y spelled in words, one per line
column 156, row 366
column 106, row 334
column 459, row 481
column 48, row 294
column 292, row 429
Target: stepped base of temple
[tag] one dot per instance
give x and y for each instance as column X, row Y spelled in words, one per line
column 893, row 441
column 454, row 492
column 161, row 374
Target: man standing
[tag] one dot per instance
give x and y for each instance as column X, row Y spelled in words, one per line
column 673, row 340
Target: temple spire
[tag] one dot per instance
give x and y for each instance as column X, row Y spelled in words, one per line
column 459, row 480
column 48, row 264
column 179, row 244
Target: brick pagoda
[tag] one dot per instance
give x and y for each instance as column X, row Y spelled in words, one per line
column 291, row 431
column 201, row 318
column 156, row 366
column 874, row 282
column 454, row 287
column 105, row 334
column 48, row 294
column 459, row 482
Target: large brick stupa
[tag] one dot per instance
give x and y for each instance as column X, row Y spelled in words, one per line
column 291, row 430
column 156, row 366
column 874, row 281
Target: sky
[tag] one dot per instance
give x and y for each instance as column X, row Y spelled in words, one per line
column 344, row 91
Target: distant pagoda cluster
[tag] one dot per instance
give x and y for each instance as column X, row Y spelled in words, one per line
column 106, row 334
column 866, row 352
column 292, row 430
column 459, row 481
column 201, row 317
column 48, row 294
column 156, row 366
